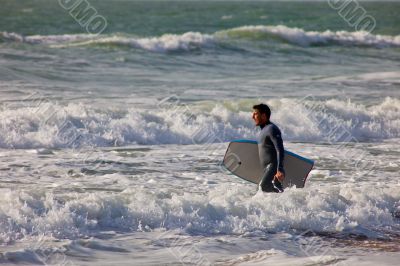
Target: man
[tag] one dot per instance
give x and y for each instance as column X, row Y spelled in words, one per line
column 270, row 148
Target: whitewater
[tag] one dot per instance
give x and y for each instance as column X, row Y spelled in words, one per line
column 303, row 120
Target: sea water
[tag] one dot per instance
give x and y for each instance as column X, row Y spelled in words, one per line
column 111, row 144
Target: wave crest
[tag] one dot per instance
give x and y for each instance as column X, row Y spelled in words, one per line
column 195, row 40
column 301, row 37
column 165, row 43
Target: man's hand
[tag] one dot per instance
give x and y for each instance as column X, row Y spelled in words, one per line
column 280, row 176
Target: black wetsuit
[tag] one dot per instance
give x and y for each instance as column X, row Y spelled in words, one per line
column 271, row 152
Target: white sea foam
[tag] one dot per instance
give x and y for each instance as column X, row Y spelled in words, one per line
column 74, row 125
column 46, row 39
column 226, row 209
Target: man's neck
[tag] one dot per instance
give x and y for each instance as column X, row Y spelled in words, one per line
column 266, row 123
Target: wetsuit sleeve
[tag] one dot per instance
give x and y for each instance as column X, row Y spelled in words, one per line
column 276, row 139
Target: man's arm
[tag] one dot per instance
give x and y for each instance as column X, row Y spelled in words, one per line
column 276, row 139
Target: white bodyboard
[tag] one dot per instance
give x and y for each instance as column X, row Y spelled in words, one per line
column 242, row 159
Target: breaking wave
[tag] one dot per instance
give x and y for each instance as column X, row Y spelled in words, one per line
column 195, row 40
column 75, row 125
column 301, row 37
column 165, row 43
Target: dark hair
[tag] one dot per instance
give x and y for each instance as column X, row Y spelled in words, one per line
column 263, row 109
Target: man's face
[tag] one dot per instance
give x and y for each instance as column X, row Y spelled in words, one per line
column 259, row 119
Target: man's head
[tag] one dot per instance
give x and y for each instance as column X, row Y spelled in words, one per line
column 261, row 114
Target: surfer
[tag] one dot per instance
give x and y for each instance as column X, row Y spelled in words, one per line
column 270, row 148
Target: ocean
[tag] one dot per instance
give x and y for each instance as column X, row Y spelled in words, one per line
column 115, row 120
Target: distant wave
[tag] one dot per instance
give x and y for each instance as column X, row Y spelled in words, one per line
column 308, row 38
column 75, row 125
column 194, row 40
column 165, row 43
column 46, row 39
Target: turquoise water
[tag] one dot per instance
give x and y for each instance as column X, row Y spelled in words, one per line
column 285, row 50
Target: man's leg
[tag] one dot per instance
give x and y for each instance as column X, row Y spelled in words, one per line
column 267, row 184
